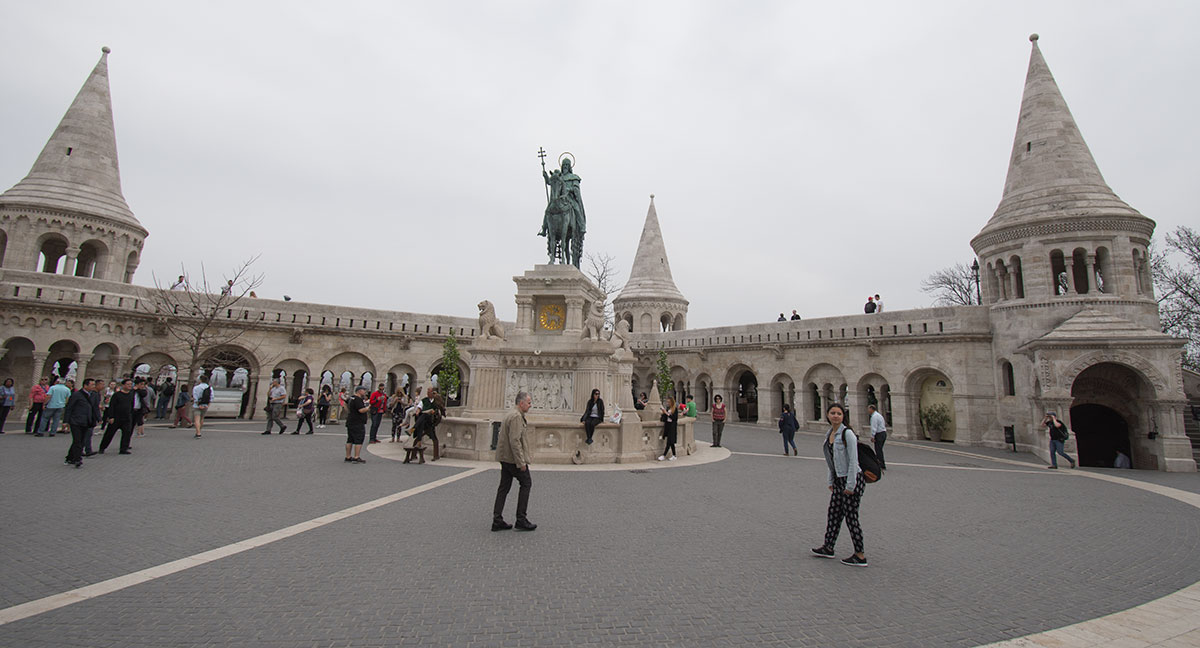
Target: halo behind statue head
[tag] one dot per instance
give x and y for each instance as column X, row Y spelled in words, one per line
column 567, row 154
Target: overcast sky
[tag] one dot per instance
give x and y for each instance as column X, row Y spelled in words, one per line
column 802, row 155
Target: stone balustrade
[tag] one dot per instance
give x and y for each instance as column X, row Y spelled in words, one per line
column 562, row 442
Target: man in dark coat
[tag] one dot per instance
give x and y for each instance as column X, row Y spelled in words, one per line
column 80, row 416
column 97, row 416
column 120, row 416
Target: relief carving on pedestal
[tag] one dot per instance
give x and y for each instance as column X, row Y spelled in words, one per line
column 551, row 390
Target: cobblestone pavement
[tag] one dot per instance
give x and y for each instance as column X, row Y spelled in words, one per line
column 963, row 550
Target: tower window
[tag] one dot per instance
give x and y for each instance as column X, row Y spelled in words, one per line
column 1028, row 146
column 69, row 149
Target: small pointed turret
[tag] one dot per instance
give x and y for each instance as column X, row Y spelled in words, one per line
column 651, row 273
column 1051, row 172
column 650, row 301
column 77, row 170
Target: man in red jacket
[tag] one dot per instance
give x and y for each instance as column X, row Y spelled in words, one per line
column 378, row 407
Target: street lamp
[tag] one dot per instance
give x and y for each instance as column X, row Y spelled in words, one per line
column 975, row 278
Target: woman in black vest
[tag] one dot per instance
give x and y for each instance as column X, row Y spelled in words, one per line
column 593, row 414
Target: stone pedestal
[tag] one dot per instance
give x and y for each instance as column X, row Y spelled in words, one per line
column 553, row 355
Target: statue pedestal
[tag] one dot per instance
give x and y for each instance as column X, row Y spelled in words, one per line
column 555, row 356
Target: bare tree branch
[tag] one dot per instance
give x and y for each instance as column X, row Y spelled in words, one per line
column 1178, row 290
column 602, row 269
column 953, row 286
column 200, row 319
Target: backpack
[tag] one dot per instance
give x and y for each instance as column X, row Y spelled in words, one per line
column 205, row 396
column 869, row 308
column 868, row 462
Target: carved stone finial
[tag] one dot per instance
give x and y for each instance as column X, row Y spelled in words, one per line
column 1033, row 38
column 105, row 49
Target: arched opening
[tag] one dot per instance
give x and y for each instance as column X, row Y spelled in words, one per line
column 346, row 381
column 1100, row 433
column 131, row 264
column 747, row 397
column 402, row 377
column 678, row 324
column 293, row 375
column 1058, row 272
column 1007, row 378
column 628, row 317
column 932, row 404
column 1018, row 278
column 1104, row 271
column 885, row 402
column 327, row 379
column 229, row 375
column 1080, row 271
column 664, row 322
column 60, row 362
column 52, row 252
column 93, row 256
column 17, row 363
column 815, row 406
column 458, row 397
column 1112, row 409
column 3, row 246
column 1002, row 280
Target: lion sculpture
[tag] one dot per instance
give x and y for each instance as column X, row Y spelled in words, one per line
column 594, row 322
column 620, row 335
column 489, row 326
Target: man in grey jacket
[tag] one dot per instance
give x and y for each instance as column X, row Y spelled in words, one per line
column 513, row 455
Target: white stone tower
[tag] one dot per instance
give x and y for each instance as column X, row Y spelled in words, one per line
column 650, row 302
column 1064, row 272
column 68, row 216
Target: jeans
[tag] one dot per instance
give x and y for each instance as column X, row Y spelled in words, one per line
column 161, row 407
column 509, row 472
column 879, row 440
column 789, row 439
column 4, row 410
column 51, row 420
column 376, row 420
column 1058, row 448
column 34, row 420
column 717, row 430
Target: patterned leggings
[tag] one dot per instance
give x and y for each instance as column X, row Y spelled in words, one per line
column 841, row 506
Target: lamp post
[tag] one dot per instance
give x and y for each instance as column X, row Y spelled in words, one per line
column 975, row 278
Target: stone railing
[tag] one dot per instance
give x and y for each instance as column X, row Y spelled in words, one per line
column 40, row 288
column 562, row 442
column 887, row 326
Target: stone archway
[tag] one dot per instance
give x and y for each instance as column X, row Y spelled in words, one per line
column 747, row 396
column 930, row 388
column 1115, row 406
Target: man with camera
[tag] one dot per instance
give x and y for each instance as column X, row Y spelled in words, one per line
column 1058, row 437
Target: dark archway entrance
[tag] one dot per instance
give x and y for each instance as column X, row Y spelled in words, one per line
column 747, row 397
column 1099, row 433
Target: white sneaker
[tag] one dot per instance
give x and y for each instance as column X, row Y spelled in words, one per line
column 673, row 458
column 660, row 458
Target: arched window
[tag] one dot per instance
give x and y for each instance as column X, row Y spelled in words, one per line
column 1003, row 280
column 993, row 284
column 677, row 325
column 1018, row 279
column 814, row 395
column 52, row 254
column 665, row 321
column 131, row 264
column 1104, row 271
column 1058, row 272
column 1010, row 384
column 93, row 256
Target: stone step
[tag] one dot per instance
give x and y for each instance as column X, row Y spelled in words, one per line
column 1191, row 427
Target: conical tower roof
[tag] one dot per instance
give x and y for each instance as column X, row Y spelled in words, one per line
column 650, row 277
column 1051, row 173
column 77, row 170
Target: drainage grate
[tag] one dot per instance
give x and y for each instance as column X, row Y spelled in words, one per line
column 639, row 471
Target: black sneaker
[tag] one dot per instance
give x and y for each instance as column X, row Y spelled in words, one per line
column 823, row 552
column 349, row 460
column 525, row 525
column 267, row 432
column 359, row 460
column 855, row 561
column 501, row 526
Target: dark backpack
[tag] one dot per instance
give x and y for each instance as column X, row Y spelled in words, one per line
column 869, row 308
column 205, row 396
column 868, row 462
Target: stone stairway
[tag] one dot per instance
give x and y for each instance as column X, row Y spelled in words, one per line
column 1191, row 427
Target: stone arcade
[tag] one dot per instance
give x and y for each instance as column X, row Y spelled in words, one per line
column 1069, row 321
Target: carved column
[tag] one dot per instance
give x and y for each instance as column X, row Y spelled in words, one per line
column 525, row 317
column 69, row 262
column 118, row 366
column 574, row 315
column 39, row 365
column 857, row 402
column 1090, row 266
column 1069, row 262
column 81, row 363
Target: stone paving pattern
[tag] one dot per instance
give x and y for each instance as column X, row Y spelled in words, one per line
column 707, row 555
